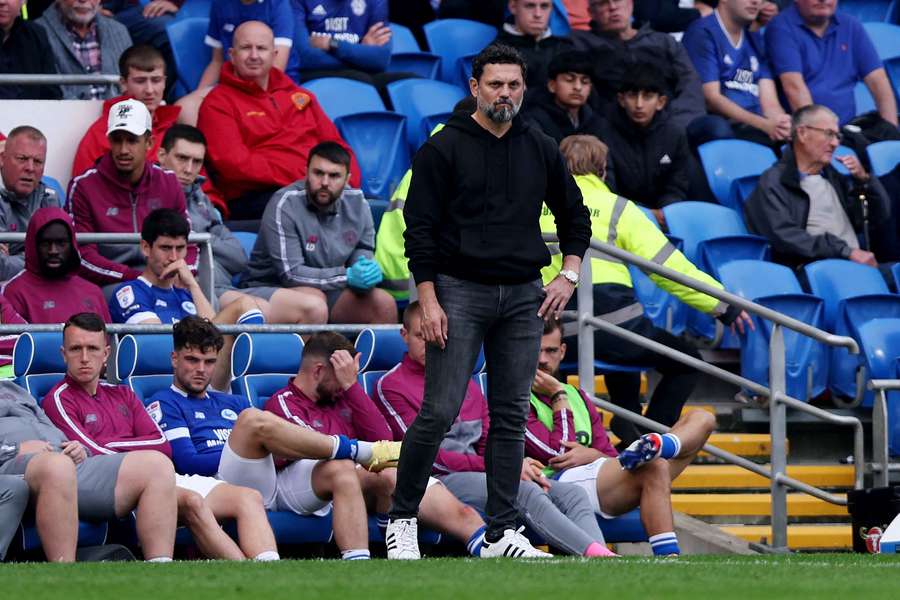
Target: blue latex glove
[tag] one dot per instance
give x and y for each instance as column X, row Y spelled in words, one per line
column 364, row 274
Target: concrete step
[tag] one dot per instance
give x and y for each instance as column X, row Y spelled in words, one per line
column 748, row 445
column 706, row 477
column 800, row 537
column 709, row 505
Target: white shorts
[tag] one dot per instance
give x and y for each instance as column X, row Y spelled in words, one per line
column 287, row 489
column 197, row 483
column 585, row 476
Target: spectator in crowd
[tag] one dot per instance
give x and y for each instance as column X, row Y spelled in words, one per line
column 14, row 499
column 84, row 42
column 253, row 156
column 318, row 236
column 617, row 47
column 109, row 419
column 670, row 16
column 737, row 83
column 326, row 396
column 24, row 48
column 167, row 291
column 650, row 152
column 566, row 434
column 214, row 433
column 8, row 316
column 66, row 482
column 143, row 78
column 182, row 152
column 530, row 34
column 578, row 14
column 485, row 11
column 805, row 208
column 615, row 218
column 559, row 512
column 49, row 289
column 819, row 56
column 22, row 192
column 117, row 194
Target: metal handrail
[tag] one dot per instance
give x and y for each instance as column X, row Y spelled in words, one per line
column 880, row 454
column 776, row 392
column 58, row 79
column 121, row 328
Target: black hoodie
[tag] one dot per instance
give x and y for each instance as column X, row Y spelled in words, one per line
column 475, row 200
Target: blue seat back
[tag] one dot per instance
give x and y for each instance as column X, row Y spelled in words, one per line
column 835, row 279
column 380, row 349
column 662, row 308
column 191, row 53
column 369, row 381
column 423, row 64
column 38, row 364
column 57, row 187
column 754, row 278
column 883, row 156
column 403, row 40
column 559, row 19
column 259, row 387
column 452, row 38
column 694, row 222
column 880, row 347
column 194, row 8
column 144, row 363
column 339, row 96
column 866, row 10
column 727, row 160
column 741, row 188
column 838, row 165
column 863, row 98
column 247, row 240
column 379, row 142
column 263, row 363
column 418, row 98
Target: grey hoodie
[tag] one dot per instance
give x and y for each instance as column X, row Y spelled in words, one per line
column 228, row 254
column 21, row 419
column 15, row 213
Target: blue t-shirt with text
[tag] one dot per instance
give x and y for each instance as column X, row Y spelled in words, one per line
column 136, row 301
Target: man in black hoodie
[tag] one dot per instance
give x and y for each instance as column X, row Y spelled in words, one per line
column 474, row 245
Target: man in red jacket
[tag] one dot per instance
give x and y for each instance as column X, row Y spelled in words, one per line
column 117, row 194
column 260, row 126
column 109, row 418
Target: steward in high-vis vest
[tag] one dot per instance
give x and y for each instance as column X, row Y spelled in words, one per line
column 619, row 221
column 389, row 245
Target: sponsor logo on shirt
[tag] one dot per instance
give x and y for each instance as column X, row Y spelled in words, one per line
column 665, row 160
column 255, row 113
column 189, row 307
column 155, row 411
column 754, row 64
column 125, row 296
column 319, row 11
column 229, row 27
column 90, row 418
column 112, row 211
column 161, row 303
column 199, row 415
column 123, row 410
column 358, row 7
column 229, row 414
column 49, row 304
column 311, row 243
column 727, row 60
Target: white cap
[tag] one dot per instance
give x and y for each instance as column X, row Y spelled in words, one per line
column 131, row 116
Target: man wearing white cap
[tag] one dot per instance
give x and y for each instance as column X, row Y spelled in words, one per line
column 119, row 192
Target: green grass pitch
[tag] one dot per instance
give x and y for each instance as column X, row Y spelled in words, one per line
column 803, row 577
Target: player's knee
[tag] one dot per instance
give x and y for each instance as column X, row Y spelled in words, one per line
column 151, row 466
column 705, row 421
column 249, row 502
column 656, row 475
column 253, row 422
column 342, row 476
column 51, row 470
column 191, row 507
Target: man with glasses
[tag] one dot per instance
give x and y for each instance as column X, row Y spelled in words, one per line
column 804, row 207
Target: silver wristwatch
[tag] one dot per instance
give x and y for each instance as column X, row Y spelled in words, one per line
column 570, row 276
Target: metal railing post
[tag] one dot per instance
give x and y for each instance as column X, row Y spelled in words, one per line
column 778, row 431
column 585, row 296
column 880, row 438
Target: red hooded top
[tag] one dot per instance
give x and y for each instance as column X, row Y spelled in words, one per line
column 41, row 300
column 260, row 139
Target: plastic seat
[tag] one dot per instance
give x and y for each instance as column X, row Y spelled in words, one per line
column 453, row 38
column 380, row 349
column 406, row 56
column 191, row 54
column 880, row 347
column 695, row 222
column 727, row 160
column 740, row 190
column 247, row 240
column 194, row 8
column 57, row 187
column 263, row 363
column 379, row 142
column 369, row 381
column 339, row 96
column 839, row 166
column 37, row 362
column 884, row 157
column 89, row 534
column 863, row 99
column 144, row 363
column 559, row 19
column 776, row 287
column 419, row 98
column 866, row 10
column 886, row 39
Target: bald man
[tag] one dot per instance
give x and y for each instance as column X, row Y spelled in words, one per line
column 260, row 126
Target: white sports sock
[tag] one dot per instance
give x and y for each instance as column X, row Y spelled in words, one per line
column 267, row 556
column 360, row 554
column 363, row 452
column 159, row 559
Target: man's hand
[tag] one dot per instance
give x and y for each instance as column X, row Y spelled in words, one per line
column 767, row 12
column 158, row 8
column 778, row 128
column 346, row 368
column 575, row 456
column 34, row 447
column 743, row 323
column 532, row 470
column 557, row 293
column 863, row 257
column 545, row 384
column 181, row 272
column 4, row 248
column 660, row 218
column 74, row 450
column 434, row 320
column 854, row 166
column 322, row 41
column 378, row 34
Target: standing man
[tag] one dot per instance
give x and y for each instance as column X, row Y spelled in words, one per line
column 475, row 249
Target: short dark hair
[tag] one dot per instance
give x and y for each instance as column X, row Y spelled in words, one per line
column 497, row 54
column 27, row 130
column 413, row 309
column 86, row 320
column 332, row 152
column 552, row 324
column 325, row 343
column 196, row 332
column 571, row 61
column 180, row 131
column 140, row 58
column 644, row 77
column 164, row 222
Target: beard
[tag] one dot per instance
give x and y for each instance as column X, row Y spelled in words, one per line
column 325, row 394
column 502, row 111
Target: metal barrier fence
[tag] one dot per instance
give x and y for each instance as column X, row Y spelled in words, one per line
column 775, row 392
column 56, row 79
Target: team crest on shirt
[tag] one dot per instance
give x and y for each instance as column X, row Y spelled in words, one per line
column 90, row 418
column 125, row 296
column 189, row 307
column 199, row 415
column 358, row 7
column 123, row 410
column 155, row 411
column 311, row 242
column 49, row 304
column 112, row 211
column 229, row 27
column 300, row 100
column 350, row 237
column 727, row 60
column 754, row 64
column 229, row 414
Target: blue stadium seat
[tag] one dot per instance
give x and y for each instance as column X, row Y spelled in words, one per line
column 379, row 142
column 853, row 294
column 776, row 287
column 406, row 56
column 695, row 222
column 866, row 10
column 559, row 19
column 842, row 151
column 378, row 208
column 37, row 362
column 89, row 534
column 665, row 310
column 453, row 38
column 880, row 347
column 263, row 363
column 727, row 160
column 740, row 190
column 465, row 69
column 369, row 380
column 380, row 349
column 194, row 8
column 339, row 96
column 419, row 98
column 864, row 100
column 886, row 38
column 884, row 156
column 429, row 122
column 247, row 240
column 191, row 54
column 57, row 187
column 144, row 363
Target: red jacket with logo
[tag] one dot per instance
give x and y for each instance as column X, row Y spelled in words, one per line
column 260, row 139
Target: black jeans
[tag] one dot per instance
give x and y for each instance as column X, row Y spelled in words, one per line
column 503, row 318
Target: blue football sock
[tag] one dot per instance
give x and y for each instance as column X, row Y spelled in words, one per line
column 474, row 544
column 382, row 520
column 664, row 544
column 671, row 445
column 344, row 447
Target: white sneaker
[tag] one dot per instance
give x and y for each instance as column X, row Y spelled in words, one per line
column 402, row 539
column 512, row 545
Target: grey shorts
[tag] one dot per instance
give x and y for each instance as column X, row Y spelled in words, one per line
column 266, row 292
column 96, row 480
